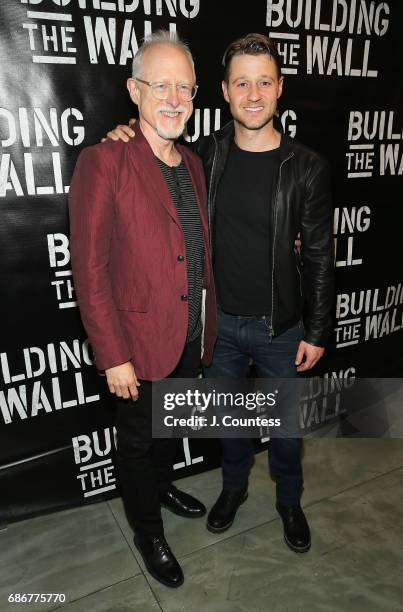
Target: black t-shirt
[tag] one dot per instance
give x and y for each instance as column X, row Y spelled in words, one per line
column 243, row 218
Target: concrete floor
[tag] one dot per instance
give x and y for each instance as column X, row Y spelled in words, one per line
column 353, row 500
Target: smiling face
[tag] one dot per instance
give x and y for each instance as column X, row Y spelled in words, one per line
column 163, row 63
column 252, row 90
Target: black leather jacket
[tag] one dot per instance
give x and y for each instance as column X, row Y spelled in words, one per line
column 302, row 285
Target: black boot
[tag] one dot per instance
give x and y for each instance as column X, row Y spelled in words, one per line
column 222, row 514
column 296, row 529
column 181, row 503
column 159, row 559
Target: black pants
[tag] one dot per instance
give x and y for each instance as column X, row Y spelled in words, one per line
column 144, row 464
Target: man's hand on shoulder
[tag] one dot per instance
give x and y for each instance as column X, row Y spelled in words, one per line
column 122, row 381
column 121, row 132
column 307, row 356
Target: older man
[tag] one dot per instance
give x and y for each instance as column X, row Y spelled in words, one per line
column 139, row 246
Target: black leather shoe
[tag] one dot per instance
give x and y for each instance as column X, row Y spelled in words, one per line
column 181, row 503
column 222, row 514
column 296, row 529
column 159, row 559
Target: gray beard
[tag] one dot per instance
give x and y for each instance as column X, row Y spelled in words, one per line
column 170, row 134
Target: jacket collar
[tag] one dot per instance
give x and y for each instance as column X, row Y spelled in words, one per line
column 147, row 166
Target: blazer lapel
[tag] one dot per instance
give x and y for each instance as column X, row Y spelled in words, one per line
column 146, row 165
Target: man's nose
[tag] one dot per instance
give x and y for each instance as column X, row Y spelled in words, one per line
column 173, row 98
column 254, row 92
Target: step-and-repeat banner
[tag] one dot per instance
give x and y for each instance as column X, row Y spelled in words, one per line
column 63, row 67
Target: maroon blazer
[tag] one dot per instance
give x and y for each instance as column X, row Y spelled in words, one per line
column 125, row 238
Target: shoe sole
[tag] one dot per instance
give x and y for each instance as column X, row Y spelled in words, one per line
column 183, row 513
column 228, row 525
column 155, row 576
column 300, row 549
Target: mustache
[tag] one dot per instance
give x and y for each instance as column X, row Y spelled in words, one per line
column 170, row 109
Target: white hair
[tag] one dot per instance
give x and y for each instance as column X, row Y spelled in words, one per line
column 157, row 38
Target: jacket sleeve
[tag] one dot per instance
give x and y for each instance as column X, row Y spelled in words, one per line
column 91, row 209
column 317, row 254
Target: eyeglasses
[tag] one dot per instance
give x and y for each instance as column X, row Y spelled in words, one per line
column 160, row 90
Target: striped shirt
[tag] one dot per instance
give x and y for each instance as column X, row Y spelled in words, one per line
column 181, row 189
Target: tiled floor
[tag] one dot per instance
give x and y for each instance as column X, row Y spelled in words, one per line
column 353, row 500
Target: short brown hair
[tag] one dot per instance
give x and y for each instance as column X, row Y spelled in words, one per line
column 251, row 44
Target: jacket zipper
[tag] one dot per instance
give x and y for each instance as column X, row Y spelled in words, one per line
column 210, row 201
column 300, row 281
column 271, row 329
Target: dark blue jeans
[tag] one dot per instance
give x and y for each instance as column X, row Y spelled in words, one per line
column 240, row 338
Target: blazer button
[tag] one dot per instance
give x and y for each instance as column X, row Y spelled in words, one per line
column 184, row 297
column 180, row 258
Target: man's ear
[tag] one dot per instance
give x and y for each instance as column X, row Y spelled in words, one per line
column 132, row 86
column 280, row 86
column 225, row 90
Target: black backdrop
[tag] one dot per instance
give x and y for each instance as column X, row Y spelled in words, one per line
column 64, row 64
